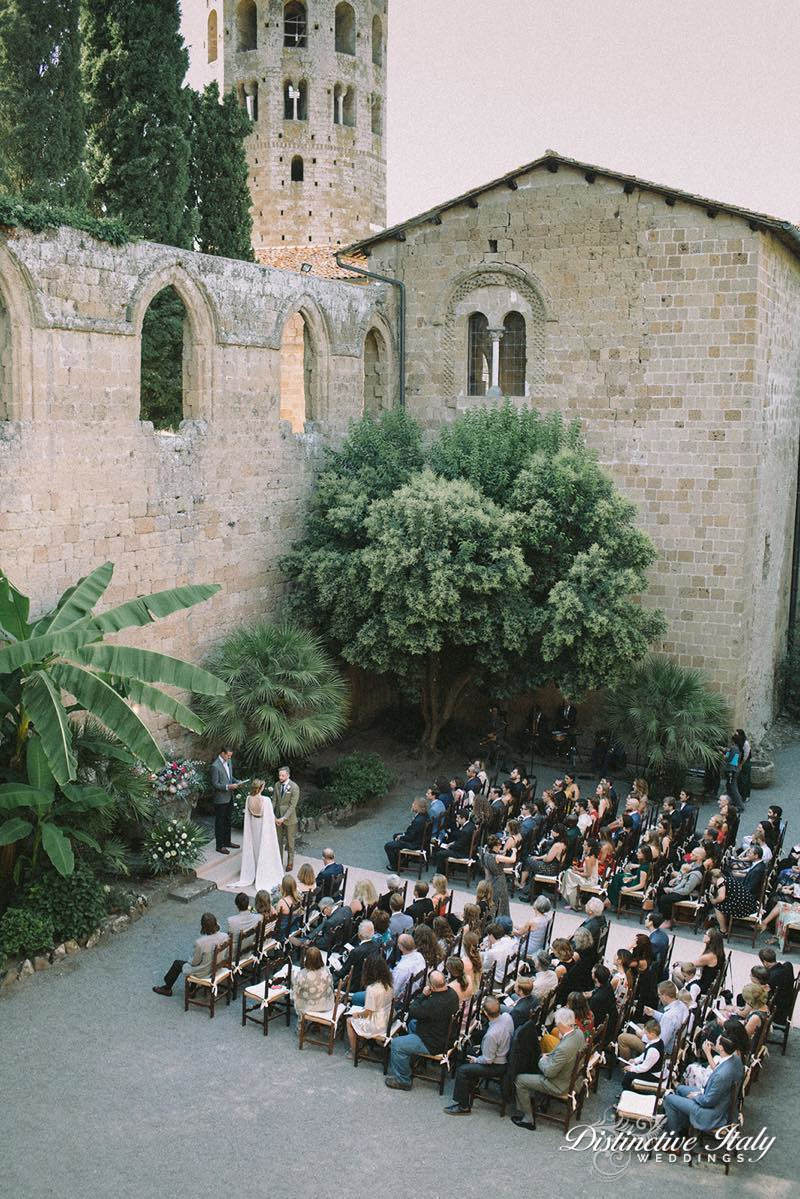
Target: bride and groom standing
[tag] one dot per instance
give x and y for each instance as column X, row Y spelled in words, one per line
column 264, row 833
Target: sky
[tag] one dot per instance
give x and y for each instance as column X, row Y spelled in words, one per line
column 702, row 95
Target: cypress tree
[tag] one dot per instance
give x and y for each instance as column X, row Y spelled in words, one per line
column 137, row 114
column 41, row 110
column 218, row 173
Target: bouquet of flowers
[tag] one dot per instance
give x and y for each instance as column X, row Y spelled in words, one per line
column 173, row 845
column 179, row 778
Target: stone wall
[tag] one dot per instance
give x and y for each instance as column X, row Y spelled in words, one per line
column 674, row 336
column 84, row 480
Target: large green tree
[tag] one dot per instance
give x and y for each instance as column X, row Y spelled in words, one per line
column 219, row 189
column 510, row 562
column 137, row 115
column 41, row 110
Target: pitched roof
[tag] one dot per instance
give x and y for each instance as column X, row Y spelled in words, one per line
column 788, row 233
column 321, row 260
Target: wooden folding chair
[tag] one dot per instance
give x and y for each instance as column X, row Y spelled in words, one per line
column 783, row 1026
column 247, row 955
column 467, row 864
column 375, row 1049
column 572, row 1099
column 416, row 857
column 272, row 998
column 220, row 979
column 433, row 1067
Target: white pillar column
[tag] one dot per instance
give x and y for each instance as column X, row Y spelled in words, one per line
column 495, row 335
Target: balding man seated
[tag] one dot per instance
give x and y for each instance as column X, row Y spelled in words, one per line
column 554, row 1071
column 489, row 1063
column 428, row 1024
column 329, row 878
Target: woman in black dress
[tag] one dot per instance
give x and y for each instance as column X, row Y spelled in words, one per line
column 730, row 897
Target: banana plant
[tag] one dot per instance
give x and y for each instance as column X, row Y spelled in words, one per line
column 63, row 653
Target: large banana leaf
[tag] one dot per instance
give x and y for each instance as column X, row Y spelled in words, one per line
column 83, row 799
column 147, row 608
column 157, row 701
column 14, row 830
column 79, row 600
column 112, row 711
column 127, row 662
column 42, row 701
column 58, row 849
column 36, row 649
column 22, row 795
column 106, row 749
column 14, row 608
column 39, row 773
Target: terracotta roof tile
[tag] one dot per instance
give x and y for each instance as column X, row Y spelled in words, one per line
column 320, row 258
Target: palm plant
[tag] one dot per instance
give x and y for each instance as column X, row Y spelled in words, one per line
column 673, row 716
column 285, row 697
column 63, row 653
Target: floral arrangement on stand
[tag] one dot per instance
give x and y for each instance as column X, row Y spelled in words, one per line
column 181, row 778
column 173, row 845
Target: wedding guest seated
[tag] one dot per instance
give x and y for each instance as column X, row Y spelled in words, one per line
column 422, row 906
column 305, row 879
column 670, row 1020
column 499, row 948
column 545, row 979
column 575, row 962
column 412, row 837
column 262, row 905
column 440, row 895
column 399, row 921
column 602, row 1003
column 289, row 909
column 489, row 1063
column 328, row 878
column 780, row 982
column 537, row 925
column 244, row 919
column 200, row 964
column 554, row 1071
column 382, row 934
column 595, row 923
column 685, row 978
column 685, row 884
column 394, row 884
column 358, row 955
column 647, row 1064
column 364, row 893
column 712, row 1107
column 410, row 963
column 336, row 927
column 375, row 1001
column 425, row 941
column 658, row 938
column 444, row 937
column 458, row 845
column 523, row 1001
column 312, row 986
column 471, row 957
column 429, row 1017
column 457, row 979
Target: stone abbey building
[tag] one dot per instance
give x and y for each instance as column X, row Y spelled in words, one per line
column 668, row 324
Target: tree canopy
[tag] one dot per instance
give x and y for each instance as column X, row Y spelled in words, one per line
column 502, row 557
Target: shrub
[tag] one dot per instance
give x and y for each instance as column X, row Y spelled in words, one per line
column 75, row 905
column 24, row 931
column 356, row 779
column 173, row 845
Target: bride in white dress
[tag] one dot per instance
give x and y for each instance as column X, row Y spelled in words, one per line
column 261, row 856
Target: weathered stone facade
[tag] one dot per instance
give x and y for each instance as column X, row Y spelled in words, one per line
column 331, row 126
column 672, row 331
column 84, row 480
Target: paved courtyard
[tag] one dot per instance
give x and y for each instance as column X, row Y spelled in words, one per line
column 112, row 1091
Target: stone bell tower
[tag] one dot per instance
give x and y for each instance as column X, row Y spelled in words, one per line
column 312, row 76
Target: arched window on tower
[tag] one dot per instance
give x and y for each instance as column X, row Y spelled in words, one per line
column 377, row 115
column 295, row 101
column 345, row 29
column 376, row 384
column 295, row 25
column 212, row 35
column 246, row 26
column 164, row 360
column 513, row 355
column 297, row 373
column 297, row 170
column 479, row 355
column 349, row 107
column 377, row 41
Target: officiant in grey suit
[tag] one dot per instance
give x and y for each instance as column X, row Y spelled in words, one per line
column 224, row 784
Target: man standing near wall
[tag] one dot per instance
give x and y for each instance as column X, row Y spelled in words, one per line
column 223, row 782
column 287, row 797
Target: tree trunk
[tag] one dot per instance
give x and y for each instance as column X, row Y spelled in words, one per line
column 438, row 700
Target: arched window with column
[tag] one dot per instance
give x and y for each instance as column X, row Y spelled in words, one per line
column 377, row 41
column 246, row 26
column 212, row 35
column 513, row 355
column 345, row 29
column 295, row 100
column 295, row 26
column 479, row 355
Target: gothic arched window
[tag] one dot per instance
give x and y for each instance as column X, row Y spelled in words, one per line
column 295, row 25
column 247, row 26
column 513, row 355
column 345, row 29
column 479, row 355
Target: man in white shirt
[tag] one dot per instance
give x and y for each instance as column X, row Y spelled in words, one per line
column 411, row 962
column 500, row 947
column 670, row 1020
column 489, row 1063
column 244, row 919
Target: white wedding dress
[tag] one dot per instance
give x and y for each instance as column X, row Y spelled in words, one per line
column 262, row 865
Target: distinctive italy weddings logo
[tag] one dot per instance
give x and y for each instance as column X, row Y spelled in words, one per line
column 614, row 1148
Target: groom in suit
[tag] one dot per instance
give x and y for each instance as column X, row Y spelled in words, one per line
column 287, row 796
column 223, row 783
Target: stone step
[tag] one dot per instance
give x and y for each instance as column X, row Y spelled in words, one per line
column 193, row 889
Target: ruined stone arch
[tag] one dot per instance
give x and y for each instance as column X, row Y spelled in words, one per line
column 16, row 330
column 303, row 340
column 379, row 364
column 494, row 290
column 199, row 334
